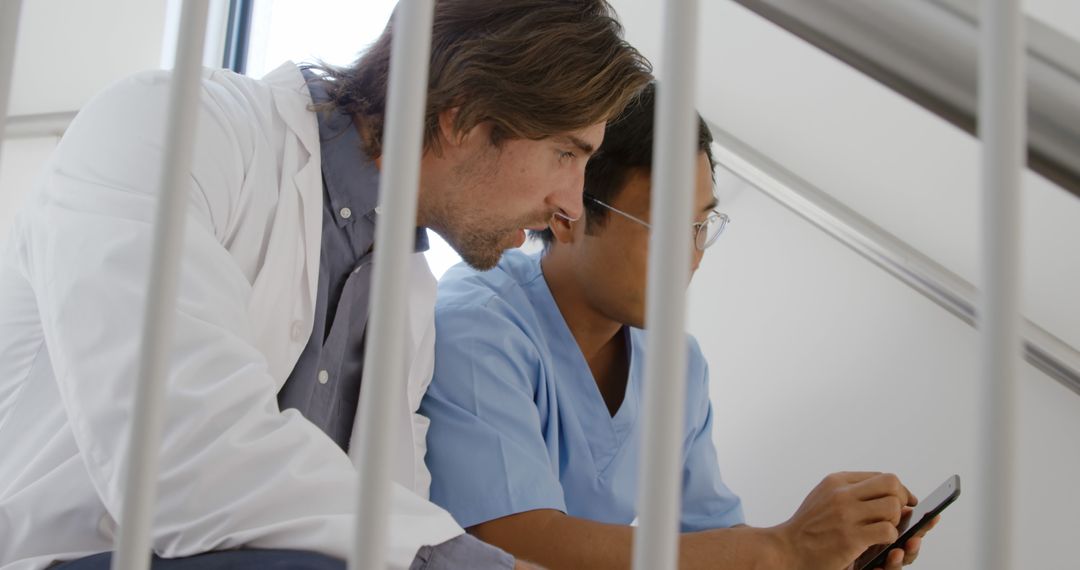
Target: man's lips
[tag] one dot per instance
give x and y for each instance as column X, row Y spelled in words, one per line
column 541, row 225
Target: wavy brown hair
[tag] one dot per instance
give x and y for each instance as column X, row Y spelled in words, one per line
column 533, row 68
column 627, row 148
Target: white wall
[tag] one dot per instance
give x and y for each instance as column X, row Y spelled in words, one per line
column 821, row 361
column 903, row 168
column 68, row 50
column 1064, row 15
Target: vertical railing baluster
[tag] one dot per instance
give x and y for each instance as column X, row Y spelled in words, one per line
column 670, row 246
column 384, row 367
column 1002, row 130
column 133, row 546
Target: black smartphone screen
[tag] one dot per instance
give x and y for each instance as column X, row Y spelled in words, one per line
column 918, row 517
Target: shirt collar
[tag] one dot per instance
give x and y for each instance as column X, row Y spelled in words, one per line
column 350, row 177
column 352, row 185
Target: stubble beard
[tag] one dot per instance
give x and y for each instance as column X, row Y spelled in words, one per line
column 479, row 240
column 464, row 222
column 480, row 249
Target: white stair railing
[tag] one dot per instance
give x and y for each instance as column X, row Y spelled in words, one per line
column 384, row 365
column 1002, row 130
column 656, row 545
column 140, row 473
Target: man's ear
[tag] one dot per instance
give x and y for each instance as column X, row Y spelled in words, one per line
column 447, row 130
column 563, row 228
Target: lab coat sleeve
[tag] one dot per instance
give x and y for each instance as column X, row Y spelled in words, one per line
column 234, row 470
column 707, row 501
column 486, row 448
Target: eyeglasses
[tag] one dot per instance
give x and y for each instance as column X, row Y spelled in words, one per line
column 705, row 233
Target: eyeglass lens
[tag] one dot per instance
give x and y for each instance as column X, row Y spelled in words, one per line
column 708, row 232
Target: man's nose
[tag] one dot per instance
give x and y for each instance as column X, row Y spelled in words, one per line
column 568, row 198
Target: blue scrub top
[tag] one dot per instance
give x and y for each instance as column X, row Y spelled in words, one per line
column 518, row 423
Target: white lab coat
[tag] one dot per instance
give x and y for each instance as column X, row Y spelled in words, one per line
column 235, row 471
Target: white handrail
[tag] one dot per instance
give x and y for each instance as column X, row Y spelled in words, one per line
column 1046, row 352
column 9, row 31
column 37, row 125
column 656, row 544
column 140, row 476
column 384, row 365
column 1002, row 129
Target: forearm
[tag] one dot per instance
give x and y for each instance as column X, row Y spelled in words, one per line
column 741, row 547
column 555, row 540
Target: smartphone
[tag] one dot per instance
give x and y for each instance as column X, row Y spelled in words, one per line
column 918, row 517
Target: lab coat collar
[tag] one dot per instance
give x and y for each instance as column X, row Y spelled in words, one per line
column 293, row 101
column 299, row 213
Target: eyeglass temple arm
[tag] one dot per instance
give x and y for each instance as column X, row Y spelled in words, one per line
column 620, row 212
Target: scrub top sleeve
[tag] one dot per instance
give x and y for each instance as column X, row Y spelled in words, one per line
column 486, row 451
column 707, row 501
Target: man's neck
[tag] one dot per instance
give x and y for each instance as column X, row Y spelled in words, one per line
column 598, row 337
column 592, row 330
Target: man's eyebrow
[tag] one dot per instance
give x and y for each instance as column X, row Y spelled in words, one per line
column 583, row 146
column 711, row 205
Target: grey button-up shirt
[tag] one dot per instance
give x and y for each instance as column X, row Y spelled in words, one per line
column 324, row 385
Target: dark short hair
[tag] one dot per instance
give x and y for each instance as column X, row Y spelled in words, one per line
column 627, row 148
column 533, row 68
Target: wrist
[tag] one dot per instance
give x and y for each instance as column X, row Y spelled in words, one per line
column 781, row 548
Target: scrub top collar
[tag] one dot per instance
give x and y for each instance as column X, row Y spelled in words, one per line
column 606, row 433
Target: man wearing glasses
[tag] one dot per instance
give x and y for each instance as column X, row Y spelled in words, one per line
column 535, row 403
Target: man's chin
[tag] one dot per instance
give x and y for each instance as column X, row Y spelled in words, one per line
column 484, row 253
column 482, row 262
column 484, row 257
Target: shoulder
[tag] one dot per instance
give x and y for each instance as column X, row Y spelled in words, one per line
column 117, row 138
column 219, row 89
column 697, row 368
column 128, row 118
column 491, row 308
column 501, row 289
column 695, row 358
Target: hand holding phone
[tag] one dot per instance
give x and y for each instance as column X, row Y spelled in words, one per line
column 912, row 523
column 841, row 516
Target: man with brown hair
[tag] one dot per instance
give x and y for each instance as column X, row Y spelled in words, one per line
column 263, row 381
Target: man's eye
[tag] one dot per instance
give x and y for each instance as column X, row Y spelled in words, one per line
column 566, row 154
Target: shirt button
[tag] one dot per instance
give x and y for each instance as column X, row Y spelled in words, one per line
column 378, row 210
column 346, row 213
column 297, row 331
column 324, row 377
